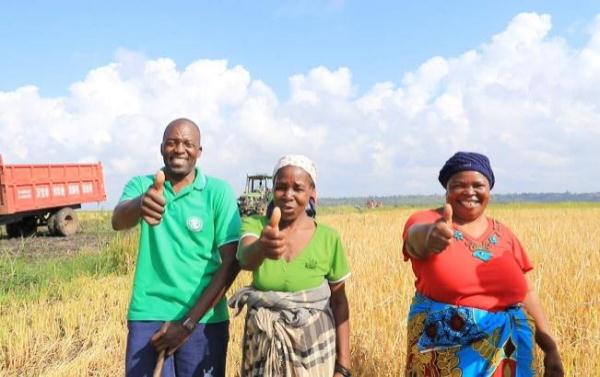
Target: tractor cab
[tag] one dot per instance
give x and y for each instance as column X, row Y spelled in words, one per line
column 256, row 195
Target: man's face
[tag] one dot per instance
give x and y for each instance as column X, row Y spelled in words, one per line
column 180, row 149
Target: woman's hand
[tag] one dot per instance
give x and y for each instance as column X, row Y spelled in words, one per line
column 271, row 244
column 440, row 233
column 552, row 364
column 425, row 239
column 170, row 337
column 272, row 240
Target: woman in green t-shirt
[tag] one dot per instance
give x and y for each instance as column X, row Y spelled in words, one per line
column 298, row 318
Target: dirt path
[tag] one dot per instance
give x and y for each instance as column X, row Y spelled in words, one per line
column 42, row 245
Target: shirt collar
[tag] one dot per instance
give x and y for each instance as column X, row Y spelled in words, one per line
column 199, row 180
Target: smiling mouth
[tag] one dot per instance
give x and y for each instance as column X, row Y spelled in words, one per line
column 178, row 160
column 469, row 203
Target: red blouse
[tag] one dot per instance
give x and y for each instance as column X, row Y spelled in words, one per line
column 455, row 276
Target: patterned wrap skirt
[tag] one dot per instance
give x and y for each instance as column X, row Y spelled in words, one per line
column 287, row 334
column 449, row 340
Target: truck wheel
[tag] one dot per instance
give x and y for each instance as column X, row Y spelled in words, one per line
column 66, row 222
column 12, row 230
column 23, row 228
column 52, row 224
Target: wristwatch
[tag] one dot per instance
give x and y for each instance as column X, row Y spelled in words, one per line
column 188, row 324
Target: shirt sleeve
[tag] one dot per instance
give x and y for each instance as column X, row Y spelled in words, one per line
column 520, row 254
column 251, row 226
column 227, row 217
column 133, row 189
column 339, row 269
column 421, row 217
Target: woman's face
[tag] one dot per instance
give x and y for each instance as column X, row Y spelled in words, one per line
column 292, row 190
column 468, row 192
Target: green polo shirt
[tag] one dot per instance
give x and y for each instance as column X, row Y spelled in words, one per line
column 323, row 258
column 178, row 258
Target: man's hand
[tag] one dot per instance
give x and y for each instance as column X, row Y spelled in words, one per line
column 169, row 337
column 441, row 232
column 272, row 240
column 152, row 203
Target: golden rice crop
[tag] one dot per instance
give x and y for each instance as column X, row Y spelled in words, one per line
column 79, row 329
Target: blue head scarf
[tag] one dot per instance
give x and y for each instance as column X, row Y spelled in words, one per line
column 466, row 161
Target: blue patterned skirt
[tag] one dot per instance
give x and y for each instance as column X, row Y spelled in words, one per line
column 449, row 340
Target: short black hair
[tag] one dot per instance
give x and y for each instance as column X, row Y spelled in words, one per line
column 179, row 121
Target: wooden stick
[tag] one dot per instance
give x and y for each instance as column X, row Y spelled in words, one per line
column 160, row 362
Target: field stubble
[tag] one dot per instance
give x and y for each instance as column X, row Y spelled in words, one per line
column 78, row 328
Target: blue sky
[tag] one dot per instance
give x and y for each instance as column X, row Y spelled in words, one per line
column 379, row 94
column 52, row 44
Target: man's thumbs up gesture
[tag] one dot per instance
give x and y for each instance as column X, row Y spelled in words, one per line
column 441, row 232
column 152, row 204
column 272, row 240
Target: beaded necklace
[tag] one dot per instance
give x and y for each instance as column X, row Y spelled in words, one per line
column 481, row 250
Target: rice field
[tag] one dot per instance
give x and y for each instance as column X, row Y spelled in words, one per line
column 77, row 327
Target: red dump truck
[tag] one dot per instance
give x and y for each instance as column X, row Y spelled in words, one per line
column 47, row 194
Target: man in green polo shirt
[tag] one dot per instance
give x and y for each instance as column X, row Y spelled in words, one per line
column 189, row 230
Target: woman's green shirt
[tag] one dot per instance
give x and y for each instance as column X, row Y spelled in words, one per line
column 322, row 258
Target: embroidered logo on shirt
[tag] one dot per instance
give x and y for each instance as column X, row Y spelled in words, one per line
column 311, row 264
column 194, row 224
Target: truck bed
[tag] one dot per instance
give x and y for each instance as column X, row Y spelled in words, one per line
column 25, row 187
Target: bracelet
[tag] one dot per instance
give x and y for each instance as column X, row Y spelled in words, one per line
column 342, row 370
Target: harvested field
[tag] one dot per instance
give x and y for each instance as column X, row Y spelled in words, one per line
column 77, row 327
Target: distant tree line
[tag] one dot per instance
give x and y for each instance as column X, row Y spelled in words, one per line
column 418, row 200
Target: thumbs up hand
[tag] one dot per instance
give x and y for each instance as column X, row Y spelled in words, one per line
column 152, row 203
column 441, row 232
column 272, row 240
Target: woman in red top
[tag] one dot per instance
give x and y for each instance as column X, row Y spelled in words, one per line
column 474, row 313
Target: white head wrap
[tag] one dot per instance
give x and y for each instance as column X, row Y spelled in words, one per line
column 300, row 161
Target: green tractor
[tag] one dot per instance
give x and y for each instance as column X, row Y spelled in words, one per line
column 257, row 195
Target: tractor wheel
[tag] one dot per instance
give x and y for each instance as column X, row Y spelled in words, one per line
column 66, row 222
column 23, row 228
column 52, row 224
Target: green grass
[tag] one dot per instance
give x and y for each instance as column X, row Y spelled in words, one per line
column 25, row 279
column 23, row 275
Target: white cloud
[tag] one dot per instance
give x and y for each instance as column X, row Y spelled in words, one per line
column 319, row 83
column 528, row 100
